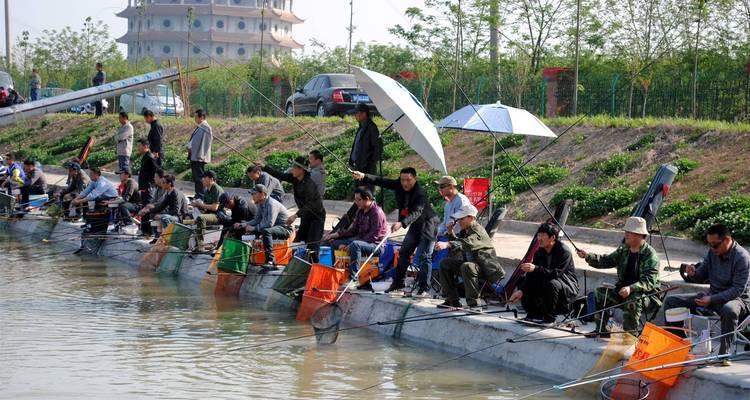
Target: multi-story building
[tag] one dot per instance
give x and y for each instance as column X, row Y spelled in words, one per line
column 226, row 30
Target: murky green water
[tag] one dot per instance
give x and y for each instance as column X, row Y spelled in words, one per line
column 74, row 328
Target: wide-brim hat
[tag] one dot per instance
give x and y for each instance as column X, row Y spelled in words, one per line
column 636, row 225
column 301, row 162
column 465, row 211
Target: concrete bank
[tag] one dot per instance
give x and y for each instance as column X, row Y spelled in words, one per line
column 558, row 359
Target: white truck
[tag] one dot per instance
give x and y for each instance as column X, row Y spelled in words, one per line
column 160, row 99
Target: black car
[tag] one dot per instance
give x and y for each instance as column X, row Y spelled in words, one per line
column 327, row 94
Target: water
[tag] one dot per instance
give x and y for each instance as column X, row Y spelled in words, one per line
column 73, row 328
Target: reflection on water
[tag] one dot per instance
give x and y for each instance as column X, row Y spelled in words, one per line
column 75, row 327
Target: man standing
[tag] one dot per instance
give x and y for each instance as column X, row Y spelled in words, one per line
column 148, row 170
column 310, row 208
column 415, row 214
column 208, row 205
column 270, row 222
column 472, row 256
column 35, row 84
column 637, row 275
column 256, row 175
column 550, row 285
column 318, row 171
column 35, row 182
column 726, row 268
column 240, row 211
column 362, row 237
column 155, row 136
column 99, row 79
column 124, row 139
column 199, row 149
column 367, row 148
column 98, row 190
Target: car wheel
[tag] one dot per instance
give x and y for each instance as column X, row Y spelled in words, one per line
column 321, row 110
column 289, row 110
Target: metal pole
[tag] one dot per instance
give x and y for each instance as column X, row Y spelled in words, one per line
column 492, row 175
column 190, row 17
column 260, row 62
column 695, row 60
column 141, row 10
column 351, row 30
column 578, row 45
column 8, row 58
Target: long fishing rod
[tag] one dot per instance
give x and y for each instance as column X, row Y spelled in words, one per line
column 507, row 154
column 578, row 121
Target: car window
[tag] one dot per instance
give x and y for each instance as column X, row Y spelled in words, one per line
column 310, row 85
column 323, row 83
column 343, row 81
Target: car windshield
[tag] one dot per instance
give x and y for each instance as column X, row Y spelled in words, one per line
column 5, row 80
column 161, row 91
column 345, row 81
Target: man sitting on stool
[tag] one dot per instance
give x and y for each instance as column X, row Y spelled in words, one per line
column 472, row 255
column 550, row 284
column 726, row 267
column 270, row 222
column 637, row 274
column 362, row 237
column 208, row 205
column 98, row 190
column 241, row 211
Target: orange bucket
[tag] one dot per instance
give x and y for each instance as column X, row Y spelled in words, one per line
column 228, row 283
column 282, row 251
column 369, row 272
column 659, row 347
column 327, row 281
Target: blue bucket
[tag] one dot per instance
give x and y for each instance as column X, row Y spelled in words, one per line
column 326, row 256
column 37, row 200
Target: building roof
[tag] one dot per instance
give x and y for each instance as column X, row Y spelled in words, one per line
column 223, row 37
column 212, row 9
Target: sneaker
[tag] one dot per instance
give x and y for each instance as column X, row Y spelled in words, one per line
column 395, row 286
column 450, row 304
column 533, row 318
column 366, row 287
column 422, row 292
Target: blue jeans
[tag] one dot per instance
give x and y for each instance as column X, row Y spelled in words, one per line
column 359, row 250
column 34, row 94
column 123, row 162
column 422, row 249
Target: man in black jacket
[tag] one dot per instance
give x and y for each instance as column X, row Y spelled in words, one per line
column 366, row 149
column 148, row 170
column 550, row 284
column 155, row 136
column 310, row 208
column 416, row 214
column 171, row 208
column 241, row 211
column 99, row 79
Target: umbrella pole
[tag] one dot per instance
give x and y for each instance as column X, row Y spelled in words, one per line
column 492, row 177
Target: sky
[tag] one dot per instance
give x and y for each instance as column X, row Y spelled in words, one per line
column 325, row 20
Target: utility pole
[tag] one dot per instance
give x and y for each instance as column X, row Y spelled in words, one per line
column 458, row 52
column 578, row 46
column 260, row 61
column 141, row 10
column 494, row 46
column 701, row 4
column 351, row 30
column 190, row 18
column 8, row 58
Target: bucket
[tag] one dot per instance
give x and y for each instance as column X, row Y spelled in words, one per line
column 180, row 237
column 326, row 256
column 678, row 314
column 326, row 280
column 235, row 256
column 282, row 251
column 7, row 204
column 308, row 306
column 37, row 200
column 293, row 276
column 623, row 389
column 228, row 283
column 341, row 259
column 369, row 272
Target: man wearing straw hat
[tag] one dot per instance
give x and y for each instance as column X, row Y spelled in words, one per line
column 472, row 256
column 637, row 274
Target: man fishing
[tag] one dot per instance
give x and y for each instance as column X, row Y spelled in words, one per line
column 233, row 210
column 550, row 285
column 207, row 205
column 98, row 190
column 271, row 222
column 77, row 182
column 454, row 201
column 129, row 198
column 472, row 257
column 726, row 268
column 256, row 175
column 415, row 214
column 637, row 274
column 16, row 175
column 171, row 208
column 35, row 182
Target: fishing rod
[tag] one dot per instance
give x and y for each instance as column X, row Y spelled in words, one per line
column 507, row 154
column 574, row 335
column 578, row 121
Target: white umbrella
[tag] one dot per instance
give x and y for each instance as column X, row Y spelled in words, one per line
column 496, row 118
column 396, row 104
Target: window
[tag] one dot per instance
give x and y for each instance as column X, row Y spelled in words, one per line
column 310, row 85
column 241, row 25
column 166, row 49
column 197, row 23
column 262, row 27
column 166, row 23
column 241, row 51
column 220, row 24
column 196, row 50
column 148, row 49
column 219, row 50
column 323, row 83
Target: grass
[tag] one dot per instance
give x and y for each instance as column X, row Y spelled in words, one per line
column 606, row 121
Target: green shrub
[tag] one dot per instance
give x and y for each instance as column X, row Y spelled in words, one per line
column 674, row 208
column 510, row 141
column 37, row 154
column 617, row 165
column 725, row 205
column 684, row 166
column 602, row 202
column 643, row 143
column 175, row 159
column 102, row 157
column 573, row 192
column 280, row 160
column 551, row 174
column 231, row 172
column 737, row 221
column 263, row 141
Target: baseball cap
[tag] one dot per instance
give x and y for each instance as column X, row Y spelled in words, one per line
column 259, row 189
column 446, row 180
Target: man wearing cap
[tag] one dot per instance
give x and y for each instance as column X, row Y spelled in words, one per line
column 270, row 221
column 16, row 174
column 77, row 182
column 199, row 149
column 637, row 275
column 550, row 285
column 472, row 256
column 310, row 208
column 124, row 140
column 415, row 214
column 172, row 206
column 362, row 237
column 256, row 175
column 130, row 197
column 367, row 148
column 208, row 205
column 240, row 211
column 454, row 201
column 726, row 268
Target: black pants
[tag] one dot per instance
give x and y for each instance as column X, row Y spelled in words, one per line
column 268, row 235
column 125, row 210
column 99, row 108
column 26, row 191
column 198, row 168
column 545, row 299
column 311, row 231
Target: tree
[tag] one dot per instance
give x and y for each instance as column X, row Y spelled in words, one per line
column 538, row 26
column 291, row 70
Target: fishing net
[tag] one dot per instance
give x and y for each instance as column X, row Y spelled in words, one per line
column 623, row 389
column 325, row 321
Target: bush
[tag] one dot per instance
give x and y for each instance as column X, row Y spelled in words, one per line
column 674, row 208
column 617, row 165
column 510, row 141
column 602, row 202
column 737, row 221
column 101, row 157
column 642, row 143
column 725, row 205
column 573, row 192
column 231, row 172
column 551, row 174
column 684, row 166
column 280, row 160
column 176, row 159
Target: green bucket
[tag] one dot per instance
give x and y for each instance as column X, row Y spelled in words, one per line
column 180, row 237
column 171, row 262
column 293, row 277
column 235, row 256
column 7, row 204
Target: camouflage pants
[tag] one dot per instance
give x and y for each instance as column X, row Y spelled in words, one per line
column 631, row 311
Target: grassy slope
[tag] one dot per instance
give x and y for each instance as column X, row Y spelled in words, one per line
column 719, row 148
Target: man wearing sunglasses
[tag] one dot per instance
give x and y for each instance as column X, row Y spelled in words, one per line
column 726, row 268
